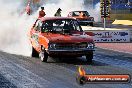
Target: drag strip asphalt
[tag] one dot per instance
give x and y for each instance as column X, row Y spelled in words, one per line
column 27, row 72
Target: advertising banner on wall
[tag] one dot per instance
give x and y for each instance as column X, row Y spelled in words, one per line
column 111, row 36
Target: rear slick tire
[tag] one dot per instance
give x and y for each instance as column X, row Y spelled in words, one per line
column 43, row 56
column 34, row 53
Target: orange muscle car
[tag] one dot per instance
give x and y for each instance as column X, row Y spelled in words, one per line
column 60, row 36
column 83, row 17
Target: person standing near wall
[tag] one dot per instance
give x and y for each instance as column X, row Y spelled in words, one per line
column 42, row 13
column 58, row 13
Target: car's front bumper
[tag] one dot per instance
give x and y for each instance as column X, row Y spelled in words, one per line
column 86, row 22
column 76, row 52
column 81, row 21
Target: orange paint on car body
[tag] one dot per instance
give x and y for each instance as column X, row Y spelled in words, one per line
column 61, row 41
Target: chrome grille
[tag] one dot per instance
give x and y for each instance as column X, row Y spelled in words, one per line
column 71, row 46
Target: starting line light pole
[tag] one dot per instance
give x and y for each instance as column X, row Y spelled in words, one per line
column 104, row 23
column 105, row 10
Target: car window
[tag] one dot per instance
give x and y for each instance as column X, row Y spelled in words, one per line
column 86, row 13
column 38, row 25
column 46, row 26
column 60, row 26
column 70, row 14
column 77, row 13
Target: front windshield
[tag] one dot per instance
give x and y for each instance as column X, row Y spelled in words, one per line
column 77, row 13
column 61, row 26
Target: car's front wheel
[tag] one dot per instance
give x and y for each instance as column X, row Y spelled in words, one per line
column 43, row 55
column 89, row 57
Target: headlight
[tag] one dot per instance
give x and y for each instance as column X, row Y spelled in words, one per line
column 52, row 46
column 83, row 45
column 90, row 46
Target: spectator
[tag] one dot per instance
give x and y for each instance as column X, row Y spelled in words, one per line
column 42, row 13
column 58, row 13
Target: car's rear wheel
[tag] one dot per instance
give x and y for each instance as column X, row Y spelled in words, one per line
column 34, row 53
column 89, row 57
column 43, row 55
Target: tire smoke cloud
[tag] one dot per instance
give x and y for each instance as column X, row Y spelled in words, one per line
column 15, row 25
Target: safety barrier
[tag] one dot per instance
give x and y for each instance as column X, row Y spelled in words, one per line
column 110, row 35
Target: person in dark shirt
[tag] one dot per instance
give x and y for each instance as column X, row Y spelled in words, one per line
column 42, row 13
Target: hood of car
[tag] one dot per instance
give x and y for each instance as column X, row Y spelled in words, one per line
column 65, row 38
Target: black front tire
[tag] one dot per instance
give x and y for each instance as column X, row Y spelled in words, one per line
column 43, row 55
column 89, row 57
column 34, row 53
